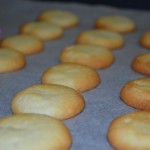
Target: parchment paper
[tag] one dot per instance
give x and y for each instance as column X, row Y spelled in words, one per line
column 89, row 128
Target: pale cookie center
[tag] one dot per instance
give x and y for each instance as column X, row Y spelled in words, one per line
column 4, row 54
column 120, row 21
column 60, row 17
column 145, row 59
column 68, row 71
column 144, row 86
column 45, row 27
column 94, row 52
column 46, row 94
column 7, row 54
column 21, row 40
column 104, row 35
column 141, row 125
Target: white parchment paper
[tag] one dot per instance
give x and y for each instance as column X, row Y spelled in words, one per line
column 88, row 129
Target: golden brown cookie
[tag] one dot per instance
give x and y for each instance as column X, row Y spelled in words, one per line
column 11, row 60
column 145, row 40
column 27, row 44
column 106, row 38
column 78, row 77
column 130, row 131
column 115, row 23
column 136, row 93
column 58, row 101
column 62, row 18
column 141, row 64
column 33, row 132
column 93, row 56
column 43, row 30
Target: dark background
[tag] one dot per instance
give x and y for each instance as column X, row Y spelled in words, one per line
column 134, row 4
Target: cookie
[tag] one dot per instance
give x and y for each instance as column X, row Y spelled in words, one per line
column 11, row 60
column 93, row 56
column 43, row 30
column 62, row 18
column 33, row 132
column 27, row 44
column 136, row 93
column 130, row 131
column 145, row 40
column 106, row 38
column 58, row 101
column 141, row 64
column 78, row 77
column 115, row 23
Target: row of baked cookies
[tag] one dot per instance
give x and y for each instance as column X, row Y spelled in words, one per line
column 124, row 131
column 34, row 131
column 31, row 37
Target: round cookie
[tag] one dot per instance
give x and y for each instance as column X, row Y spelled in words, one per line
column 115, row 23
column 93, row 56
column 106, row 38
column 43, row 30
column 78, row 77
column 62, row 18
column 58, row 101
column 33, row 132
column 11, row 60
column 136, row 93
column 141, row 64
column 145, row 40
column 130, row 131
column 27, row 44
